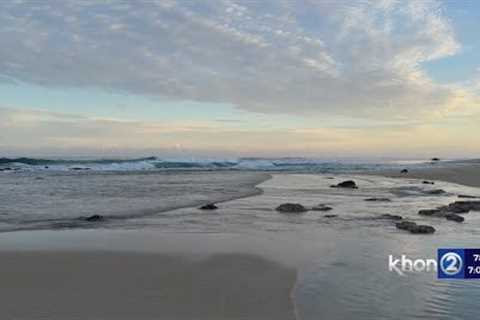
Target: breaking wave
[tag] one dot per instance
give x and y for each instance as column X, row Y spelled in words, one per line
column 154, row 163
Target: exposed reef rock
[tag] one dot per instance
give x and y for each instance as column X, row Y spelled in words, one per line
column 414, row 228
column 291, row 208
column 210, row 206
column 349, row 184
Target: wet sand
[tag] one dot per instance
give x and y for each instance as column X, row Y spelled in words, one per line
column 115, row 285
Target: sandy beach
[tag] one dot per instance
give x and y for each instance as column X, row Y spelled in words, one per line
column 465, row 173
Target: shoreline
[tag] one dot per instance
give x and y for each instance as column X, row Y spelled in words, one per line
column 465, row 173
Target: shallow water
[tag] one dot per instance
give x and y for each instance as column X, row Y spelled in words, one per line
column 56, row 200
column 342, row 261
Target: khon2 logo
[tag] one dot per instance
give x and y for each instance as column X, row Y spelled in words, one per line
column 459, row 263
column 451, row 263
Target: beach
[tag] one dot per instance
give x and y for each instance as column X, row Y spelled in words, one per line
column 462, row 172
column 242, row 261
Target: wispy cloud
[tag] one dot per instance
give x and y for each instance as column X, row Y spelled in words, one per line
column 307, row 57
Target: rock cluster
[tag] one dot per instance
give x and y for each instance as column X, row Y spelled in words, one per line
column 452, row 211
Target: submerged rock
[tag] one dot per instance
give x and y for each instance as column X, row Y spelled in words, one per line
column 210, row 206
column 291, row 208
column 432, row 212
column 378, row 200
column 94, row 218
column 435, row 192
column 79, row 169
column 414, row 228
column 454, row 217
column 322, row 207
column 391, row 216
column 467, row 196
column 349, row 184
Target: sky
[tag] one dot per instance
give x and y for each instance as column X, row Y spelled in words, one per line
column 223, row 78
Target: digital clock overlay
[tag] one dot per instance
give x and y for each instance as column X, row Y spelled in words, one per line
column 458, row 263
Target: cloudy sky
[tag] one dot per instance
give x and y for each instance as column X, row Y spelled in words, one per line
column 235, row 78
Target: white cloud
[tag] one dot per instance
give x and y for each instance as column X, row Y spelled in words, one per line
column 265, row 56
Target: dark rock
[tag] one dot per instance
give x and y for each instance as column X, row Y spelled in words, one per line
column 452, row 210
column 454, row 217
column 378, row 200
column 78, row 169
column 330, row 216
column 404, row 171
column 432, row 212
column 435, row 192
column 428, row 182
column 423, row 229
column 6, row 169
column 210, row 206
column 435, row 159
column 405, row 225
column 322, row 207
column 467, row 196
column 463, row 206
column 94, row 218
column 442, row 212
column 391, row 217
column 291, row 208
column 349, row 184
column 414, row 228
